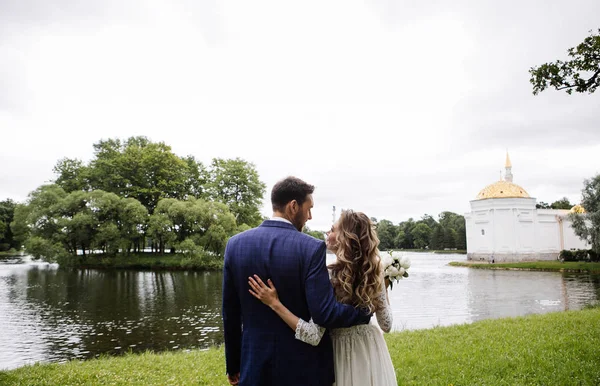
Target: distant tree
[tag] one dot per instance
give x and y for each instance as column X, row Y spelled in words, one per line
column 407, row 227
column 428, row 220
column 316, row 234
column 7, row 239
column 587, row 225
column 450, row 236
column 563, row 203
column 236, row 183
column 421, row 234
column 542, row 205
column 461, row 238
column 436, row 240
column 581, row 73
column 386, row 231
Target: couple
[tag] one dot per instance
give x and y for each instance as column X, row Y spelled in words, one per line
column 275, row 332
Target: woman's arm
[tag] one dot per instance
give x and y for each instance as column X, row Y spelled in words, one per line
column 308, row 332
column 384, row 315
column 268, row 295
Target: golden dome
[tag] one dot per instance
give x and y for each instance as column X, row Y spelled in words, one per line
column 577, row 209
column 502, row 189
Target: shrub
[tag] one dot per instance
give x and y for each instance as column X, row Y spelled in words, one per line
column 566, row 255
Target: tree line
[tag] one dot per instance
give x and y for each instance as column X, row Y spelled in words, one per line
column 135, row 194
column 447, row 232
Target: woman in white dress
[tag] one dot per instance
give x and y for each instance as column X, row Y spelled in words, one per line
column 361, row 356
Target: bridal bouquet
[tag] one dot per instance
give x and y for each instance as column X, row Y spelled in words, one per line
column 395, row 266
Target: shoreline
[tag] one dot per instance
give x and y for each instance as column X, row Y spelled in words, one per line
column 543, row 266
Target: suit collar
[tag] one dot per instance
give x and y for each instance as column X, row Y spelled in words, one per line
column 278, row 224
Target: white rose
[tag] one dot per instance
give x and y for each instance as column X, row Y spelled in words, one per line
column 386, row 261
column 401, row 271
column 393, row 271
column 405, row 262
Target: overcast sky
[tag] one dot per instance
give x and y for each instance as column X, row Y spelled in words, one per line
column 394, row 108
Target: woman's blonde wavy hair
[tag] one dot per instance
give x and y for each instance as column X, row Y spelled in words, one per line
column 356, row 275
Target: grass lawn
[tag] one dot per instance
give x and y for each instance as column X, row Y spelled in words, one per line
column 568, row 266
column 551, row 349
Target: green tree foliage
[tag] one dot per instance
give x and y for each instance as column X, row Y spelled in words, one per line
column 7, row 239
column 542, row 205
column 136, row 168
column 316, row 234
column 421, row 234
column 236, row 183
column 437, row 237
column 447, row 232
column 207, row 224
column 587, row 225
column 581, row 73
column 563, row 203
column 386, row 231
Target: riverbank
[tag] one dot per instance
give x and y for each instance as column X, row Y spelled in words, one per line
column 552, row 349
column 554, row 266
column 154, row 262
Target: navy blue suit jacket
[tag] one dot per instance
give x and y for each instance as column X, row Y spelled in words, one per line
column 258, row 343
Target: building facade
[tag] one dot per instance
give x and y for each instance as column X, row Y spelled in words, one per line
column 504, row 225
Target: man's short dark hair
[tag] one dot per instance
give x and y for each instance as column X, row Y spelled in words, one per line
column 289, row 189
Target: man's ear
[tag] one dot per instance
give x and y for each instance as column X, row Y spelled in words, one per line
column 294, row 206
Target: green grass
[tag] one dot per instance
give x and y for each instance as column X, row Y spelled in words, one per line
column 568, row 266
column 9, row 253
column 551, row 349
column 152, row 261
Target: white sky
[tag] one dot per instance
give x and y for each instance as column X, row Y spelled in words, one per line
column 394, row 108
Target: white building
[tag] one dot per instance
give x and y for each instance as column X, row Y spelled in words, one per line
column 504, row 225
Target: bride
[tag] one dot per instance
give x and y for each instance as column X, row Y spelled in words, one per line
column 361, row 356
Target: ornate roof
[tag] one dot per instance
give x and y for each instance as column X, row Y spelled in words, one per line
column 577, row 209
column 502, row 189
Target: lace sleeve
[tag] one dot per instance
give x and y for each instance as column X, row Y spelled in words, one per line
column 309, row 332
column 384, row 315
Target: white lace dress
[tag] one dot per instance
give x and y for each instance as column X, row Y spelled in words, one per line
column 361, row 357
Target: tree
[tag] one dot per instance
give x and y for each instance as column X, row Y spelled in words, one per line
column 236, row 183
column 563, row 203
column 542, row 205
column 450, row 236
column 437, row 238
column 581, row 73
column 316, row 234
column 421, row 233
column 587, row 225
column 136, row 168
column 386, row 231
column 7, row 212
column 72, row 175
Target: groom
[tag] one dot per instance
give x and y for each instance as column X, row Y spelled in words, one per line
column 260, row 349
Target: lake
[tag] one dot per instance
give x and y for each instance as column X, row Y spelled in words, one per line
column 53, row 315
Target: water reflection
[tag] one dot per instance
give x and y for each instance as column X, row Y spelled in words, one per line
column 47, row 314
column 54, row 315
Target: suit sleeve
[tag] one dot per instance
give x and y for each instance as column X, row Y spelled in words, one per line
column 323, row 307
column 232, row 319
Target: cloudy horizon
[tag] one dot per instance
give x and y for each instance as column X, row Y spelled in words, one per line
column 394, row 108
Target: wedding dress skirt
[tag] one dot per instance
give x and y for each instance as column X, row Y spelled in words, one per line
column 361, row 357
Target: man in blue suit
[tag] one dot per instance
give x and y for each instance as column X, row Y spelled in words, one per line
column 260, row 349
